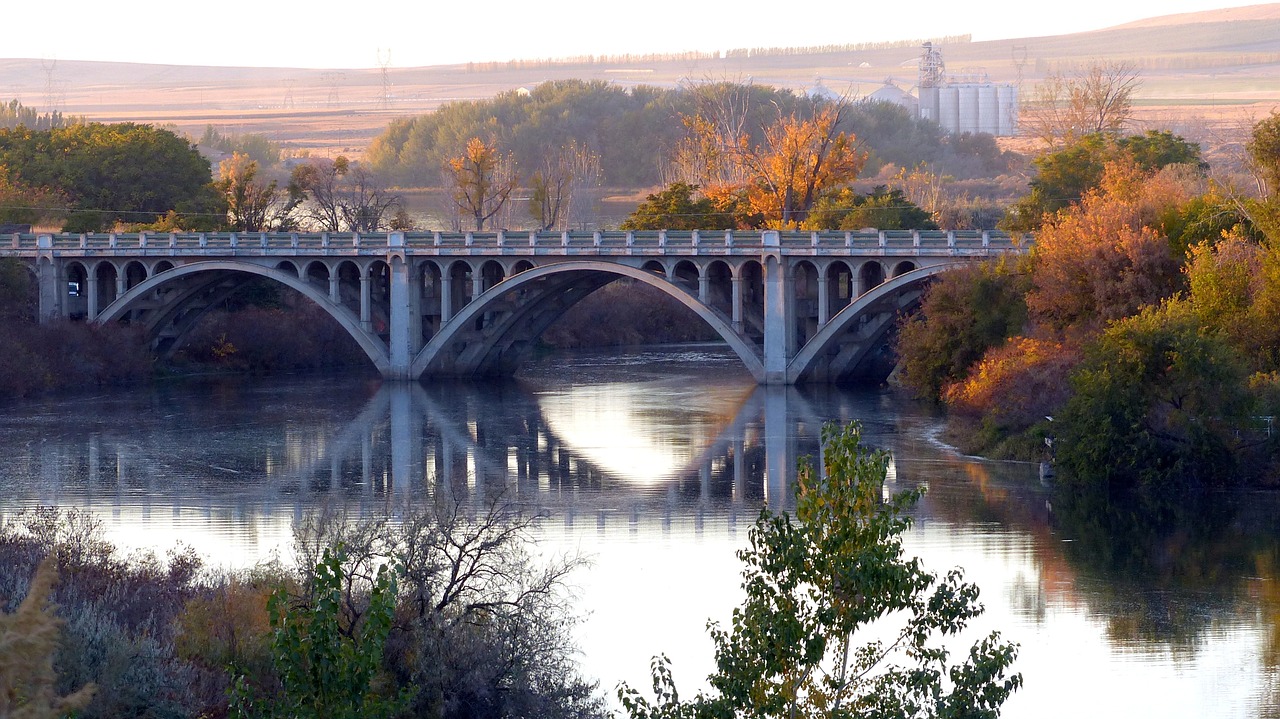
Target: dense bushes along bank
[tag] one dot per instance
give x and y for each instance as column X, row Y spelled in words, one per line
column 477, row 627
column 1137, row 344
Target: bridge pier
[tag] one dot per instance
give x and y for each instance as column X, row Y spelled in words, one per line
column 779, row 311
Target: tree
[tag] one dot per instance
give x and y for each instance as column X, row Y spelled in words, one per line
column 798, row 161
column 964, row 313
column 482, row 178
column 28, row 642
column 344, row 196
column 781, row 175
column 566, row 180
column 14, row 114
column 118, row 173
column 1107, row 257
column 1063, row 176
column 23, row 204
column 674, row 208
column 251, row 205
column 812, row 584
column 1157, row 402
column 482, row 627
column 881, row 208
column 1096, row 98
column 326, row 670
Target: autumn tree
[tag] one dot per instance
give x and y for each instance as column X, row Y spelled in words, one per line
column 482, row 179
column 799, row 160
column 23, row 204
column 1070, row 105
column 781, row 171
column 1107, row 257
column 1064, row 175
column 963, row 313
column 254, row 205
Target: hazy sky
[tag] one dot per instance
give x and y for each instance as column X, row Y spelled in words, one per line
column 429, row 32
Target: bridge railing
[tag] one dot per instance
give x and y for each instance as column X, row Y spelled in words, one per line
column 600, row 242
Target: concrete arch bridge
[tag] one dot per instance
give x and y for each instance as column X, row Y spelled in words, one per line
column 794, row 306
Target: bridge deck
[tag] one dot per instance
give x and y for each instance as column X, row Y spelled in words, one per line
column 600, row 243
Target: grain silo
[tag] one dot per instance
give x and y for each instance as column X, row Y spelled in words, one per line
column 1008, row 96
column 965, row 102
column 989, row 109
column 949, row 107
column 968, row 108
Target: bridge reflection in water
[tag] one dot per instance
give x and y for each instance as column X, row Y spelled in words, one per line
column 639, row 453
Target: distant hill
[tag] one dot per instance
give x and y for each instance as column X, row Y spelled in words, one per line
column 1215, row 71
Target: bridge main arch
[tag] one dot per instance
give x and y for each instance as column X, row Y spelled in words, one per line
column 169, row 303
column 494, row 332
column 840, row 346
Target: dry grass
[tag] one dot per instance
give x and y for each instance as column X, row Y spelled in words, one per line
column 1221, row 68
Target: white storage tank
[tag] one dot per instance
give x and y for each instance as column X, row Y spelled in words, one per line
column 949, row 108
column 929, row 103
column 1008, row 95
column 968, row 108
column 988, row 109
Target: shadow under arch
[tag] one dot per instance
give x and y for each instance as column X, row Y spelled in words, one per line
column 492, row 334
column 191, row 290
column 839, row 346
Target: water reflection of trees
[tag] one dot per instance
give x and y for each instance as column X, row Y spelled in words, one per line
column 1160, row 572
column 1167, row 569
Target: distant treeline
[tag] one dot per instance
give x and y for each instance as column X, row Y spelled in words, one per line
column 626, row 58
column 14, row 114
column 633, row 131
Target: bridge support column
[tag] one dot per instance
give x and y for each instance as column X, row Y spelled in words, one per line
column 53, row 289
column 779, row 332
column 91, row 285
column 737, row 303
column 824, row 300
column 405, row 320
column 335, row 289
column 366, row 300
column 446, row 298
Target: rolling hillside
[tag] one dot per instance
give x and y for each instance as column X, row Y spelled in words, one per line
column 1210, row 73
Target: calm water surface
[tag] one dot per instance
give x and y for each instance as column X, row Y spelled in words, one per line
column 653, row 465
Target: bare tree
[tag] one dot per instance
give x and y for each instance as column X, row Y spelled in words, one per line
column 483, row 624
column 566, row 181
column 1096, row 98
column 343, row 196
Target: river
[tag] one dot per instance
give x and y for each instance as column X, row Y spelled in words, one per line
column 653, row 465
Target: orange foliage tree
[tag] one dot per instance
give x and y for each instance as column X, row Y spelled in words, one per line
column 1107, row 257
column 1014, row 386
column 780, row 178
column 482, row 178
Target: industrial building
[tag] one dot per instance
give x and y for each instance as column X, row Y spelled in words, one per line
column 957, row 102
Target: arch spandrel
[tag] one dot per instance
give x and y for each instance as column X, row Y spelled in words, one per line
column 373, row 348
column 830, row 335
column 536, row 288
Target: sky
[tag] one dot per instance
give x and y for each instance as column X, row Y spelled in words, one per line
column 401, row 33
